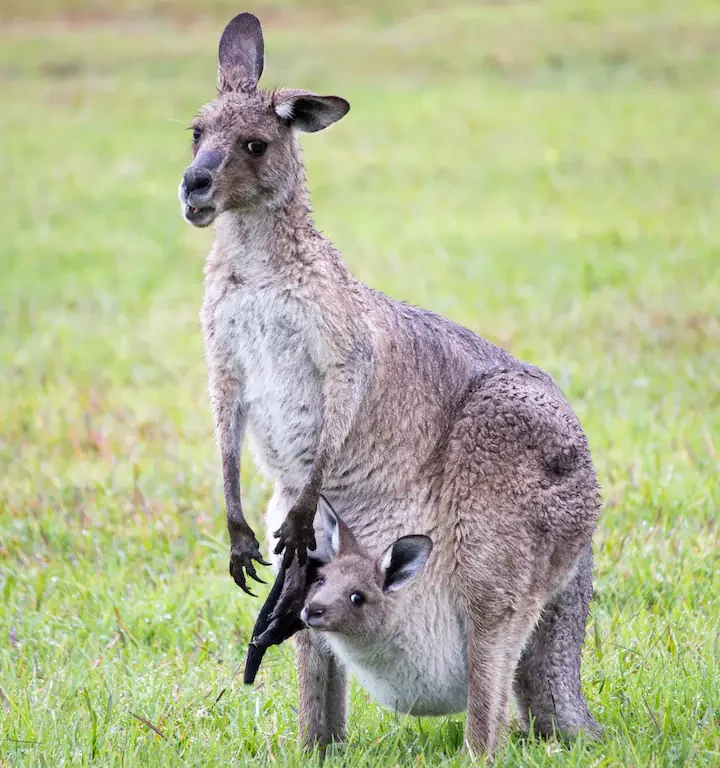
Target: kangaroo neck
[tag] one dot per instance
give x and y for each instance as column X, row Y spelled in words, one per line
column 271, row 240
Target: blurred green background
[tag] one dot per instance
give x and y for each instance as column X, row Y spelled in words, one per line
column 544, row 172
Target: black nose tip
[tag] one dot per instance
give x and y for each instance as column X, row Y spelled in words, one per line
column 197, row 180
column 316, row 611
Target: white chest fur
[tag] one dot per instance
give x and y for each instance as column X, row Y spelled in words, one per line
column 421, row 667
column 260, row 334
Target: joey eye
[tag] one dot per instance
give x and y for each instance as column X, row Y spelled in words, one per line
column 357, row 598
column 197, row 135
column 320, row 580
column 255, row 147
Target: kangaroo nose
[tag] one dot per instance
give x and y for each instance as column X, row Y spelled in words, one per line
column 197, row 179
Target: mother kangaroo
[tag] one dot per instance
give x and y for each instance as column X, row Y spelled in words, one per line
column 406, row 422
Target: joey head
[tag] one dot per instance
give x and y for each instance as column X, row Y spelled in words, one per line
column 353, row 594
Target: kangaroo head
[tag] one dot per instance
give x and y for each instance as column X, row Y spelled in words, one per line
column 245, row 152
column 354, row 593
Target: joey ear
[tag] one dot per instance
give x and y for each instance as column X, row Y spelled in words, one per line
column 241, row 54
column 307, row 111
column 338, row 537
column 331, row 527
column 403, row 560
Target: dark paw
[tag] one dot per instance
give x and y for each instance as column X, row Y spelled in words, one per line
column 244, row 550
column 296, row 534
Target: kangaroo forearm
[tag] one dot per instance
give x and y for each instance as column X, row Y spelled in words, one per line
column 231, row 487
column 230, row 428
column 230, row 417
column 342, row 397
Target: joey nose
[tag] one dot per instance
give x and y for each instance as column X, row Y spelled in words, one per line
column 312, row 613
column 197, row 180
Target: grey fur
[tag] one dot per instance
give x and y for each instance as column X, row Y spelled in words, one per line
column 407, row 422
column 407, row 646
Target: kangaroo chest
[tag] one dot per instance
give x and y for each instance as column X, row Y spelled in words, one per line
column 261, row 336
column 420, row 668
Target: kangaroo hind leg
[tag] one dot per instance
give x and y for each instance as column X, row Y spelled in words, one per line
column 322, row 711
column 493, row 651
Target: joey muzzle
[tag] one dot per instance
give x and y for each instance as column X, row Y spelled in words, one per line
column 312, row 615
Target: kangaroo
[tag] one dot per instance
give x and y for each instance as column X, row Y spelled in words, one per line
column 408, row 422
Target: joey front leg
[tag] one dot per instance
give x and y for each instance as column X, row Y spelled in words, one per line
column 230, row 428
column 343, row 390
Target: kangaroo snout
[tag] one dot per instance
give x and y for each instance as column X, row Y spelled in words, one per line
column 197, row 180
column 196, row 196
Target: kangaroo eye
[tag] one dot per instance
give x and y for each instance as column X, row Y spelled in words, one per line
column 197, row 135
column 256, row 147
column 320, row 580
column 357, row 598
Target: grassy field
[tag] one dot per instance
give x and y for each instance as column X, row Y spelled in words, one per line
column 546, row 173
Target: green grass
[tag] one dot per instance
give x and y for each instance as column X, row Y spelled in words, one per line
column 546, row 173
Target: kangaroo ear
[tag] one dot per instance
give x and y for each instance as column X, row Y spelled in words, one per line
column 307, row 111
column 403, row 560
column 241, row 54
column 338, row 537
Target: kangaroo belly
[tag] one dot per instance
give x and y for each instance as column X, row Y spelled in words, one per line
column 421, row 669
column 264, row 338
column 283, row 431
